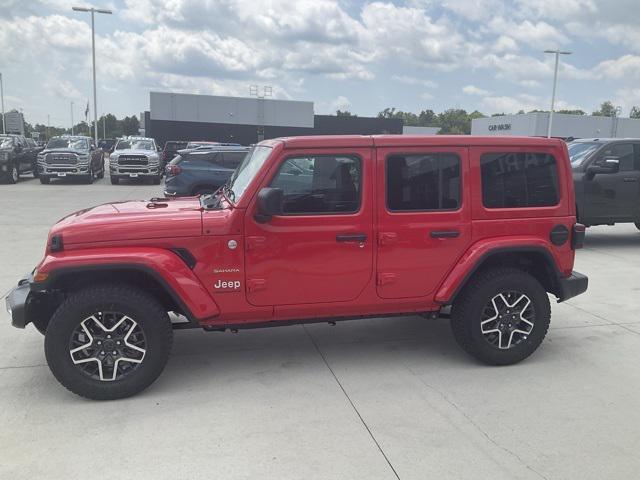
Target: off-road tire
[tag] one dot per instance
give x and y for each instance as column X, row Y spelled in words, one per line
column 128, row 300
column 114, row 180
column 89, row 178
column 44, row 180
column 466, row 314
column 14, row 174
column 100, row 174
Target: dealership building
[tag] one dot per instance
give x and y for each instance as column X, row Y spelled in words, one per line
column 563, row 126
column 177, row 116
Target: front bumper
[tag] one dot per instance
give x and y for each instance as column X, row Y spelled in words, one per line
column 134, row 171
column 62, row 170
column 17, row 302
column 571, row 286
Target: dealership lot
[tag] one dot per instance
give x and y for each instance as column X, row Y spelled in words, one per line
column 376, row 399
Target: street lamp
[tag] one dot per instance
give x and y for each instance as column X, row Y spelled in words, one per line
column 557, row 53
column 71, row 118
column 93, row 54
column 4, row 130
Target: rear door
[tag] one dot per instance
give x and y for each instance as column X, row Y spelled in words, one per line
column 615, row 196
column 423, row 216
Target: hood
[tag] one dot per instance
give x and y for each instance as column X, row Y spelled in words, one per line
column 134, row 151
column 65, row 150
column 133, row 220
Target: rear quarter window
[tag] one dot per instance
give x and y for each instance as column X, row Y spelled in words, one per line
column 519, row 180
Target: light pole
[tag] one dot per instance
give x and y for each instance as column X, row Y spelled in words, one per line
column 71, row 118
column 93, row 55
column 2, row 97
column 557, row 53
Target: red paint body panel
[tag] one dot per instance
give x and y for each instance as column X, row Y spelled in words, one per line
column 292, row 267
column 164, row 263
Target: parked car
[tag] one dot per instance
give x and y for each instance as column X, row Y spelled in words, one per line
column 135, row 157
column 107, row 145
column 170, row 150
column 202, row 172
column 193, row 146
column 17, row 156
column 370, row 226
column 70, row 156
column 606, row 174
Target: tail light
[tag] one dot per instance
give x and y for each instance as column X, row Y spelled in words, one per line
column 577, row 237
column 174, row 169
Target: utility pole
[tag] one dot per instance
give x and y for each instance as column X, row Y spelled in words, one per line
column 267, row 91
column 4, row 129
column 48, row 126
column 93, row 11
column 71, row 118
column 557, row 53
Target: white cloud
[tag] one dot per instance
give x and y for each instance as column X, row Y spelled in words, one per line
column 408, row 80
column 473, row 90
column 626, row 66
column 426, row 96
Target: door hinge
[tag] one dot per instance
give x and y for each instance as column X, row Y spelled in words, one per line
column 386, row 278
column 255, row 243
column 387, row 238
column 256, row 284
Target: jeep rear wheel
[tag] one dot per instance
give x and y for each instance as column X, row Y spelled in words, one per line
column 108, row 342
column 501, row 316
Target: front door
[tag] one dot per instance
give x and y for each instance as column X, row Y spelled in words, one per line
column 321, row 249
column 424, row 217
column 615, row 196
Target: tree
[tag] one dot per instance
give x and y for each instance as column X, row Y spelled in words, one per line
column 607, row 109
column 572, row 112
column 130, row 125
column 454, row 121
column 635, row 112
column 427, row 118
column 344, row 113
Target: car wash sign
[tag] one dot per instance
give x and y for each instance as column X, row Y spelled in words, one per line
column 500, row 127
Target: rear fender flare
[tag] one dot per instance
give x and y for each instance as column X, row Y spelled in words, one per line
column 480, row 252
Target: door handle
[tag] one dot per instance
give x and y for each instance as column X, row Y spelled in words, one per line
column 630, row 179
column 445, row 234
column 351, row 237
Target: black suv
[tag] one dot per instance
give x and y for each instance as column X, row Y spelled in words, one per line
column 606, row 174
column 70, row 156
column 201, row 172
column 17, row 156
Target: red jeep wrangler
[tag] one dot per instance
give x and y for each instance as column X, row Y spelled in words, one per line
column 314, row 229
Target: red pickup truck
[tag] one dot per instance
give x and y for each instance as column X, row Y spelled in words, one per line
column 313, row 229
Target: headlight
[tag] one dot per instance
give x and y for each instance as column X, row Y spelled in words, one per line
column 113, row 157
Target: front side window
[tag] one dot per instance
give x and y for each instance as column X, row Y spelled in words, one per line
column 623, row 152
column 322, row 184
column 519, row 179
column 424, row 181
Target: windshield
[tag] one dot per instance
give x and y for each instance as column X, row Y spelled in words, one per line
column 242, row 177
column 6, row 142
column 135, row 145
column 580, row 151
column 74, row 143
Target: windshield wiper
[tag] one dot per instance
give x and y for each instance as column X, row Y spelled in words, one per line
column 228, row 192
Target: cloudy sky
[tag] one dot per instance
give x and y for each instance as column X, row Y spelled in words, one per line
column 347, row 54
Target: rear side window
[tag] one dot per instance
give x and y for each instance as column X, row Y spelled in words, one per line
column 429, row 181
column 519, row 180
column 320, row 184
column 233, row 159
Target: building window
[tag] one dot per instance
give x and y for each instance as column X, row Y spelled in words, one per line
column 322, row 184
column 424, row 181
column 519, row 179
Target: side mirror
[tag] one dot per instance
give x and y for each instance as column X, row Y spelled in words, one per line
column 607, row 165
column 270, row 202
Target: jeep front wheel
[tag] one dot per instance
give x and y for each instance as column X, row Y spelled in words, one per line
column 108, row 342
column 501, row 316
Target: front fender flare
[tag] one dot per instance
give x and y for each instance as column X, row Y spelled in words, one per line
column 163, row 265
